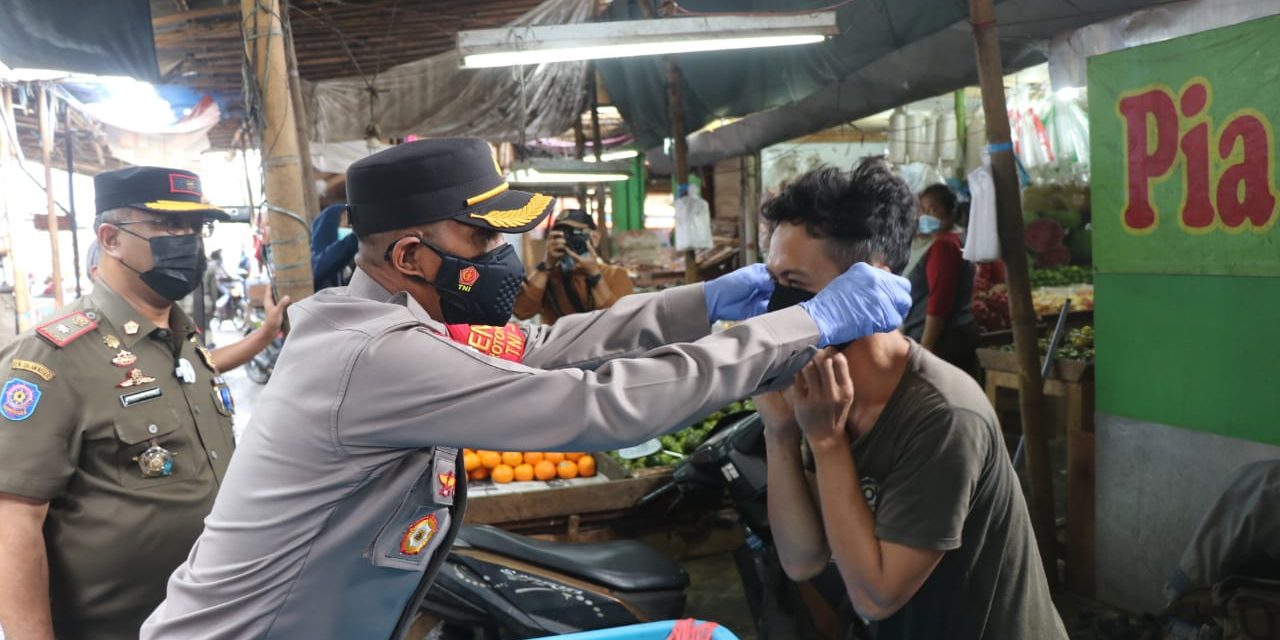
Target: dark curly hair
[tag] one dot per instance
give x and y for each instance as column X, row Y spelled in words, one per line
column 868, row 214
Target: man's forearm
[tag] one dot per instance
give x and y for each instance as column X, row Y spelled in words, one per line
column 793, row 516
column 529, row 301
column 851, row 529
column 24, row 578
column 237, row 353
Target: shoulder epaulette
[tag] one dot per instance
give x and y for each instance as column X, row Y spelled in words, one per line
column 61, row 332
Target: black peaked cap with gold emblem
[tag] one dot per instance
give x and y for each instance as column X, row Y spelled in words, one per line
column 439, row 179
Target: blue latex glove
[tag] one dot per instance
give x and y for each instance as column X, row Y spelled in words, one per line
column 859, row 302
column 739, row 295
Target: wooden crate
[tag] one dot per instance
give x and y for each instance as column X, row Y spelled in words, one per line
column 1068, row 370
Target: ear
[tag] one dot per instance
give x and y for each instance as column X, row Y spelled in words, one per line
column 109, row 240
column 407, row 256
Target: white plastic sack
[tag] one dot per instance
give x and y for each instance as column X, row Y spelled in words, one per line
column 983, row 241
column 693, row 222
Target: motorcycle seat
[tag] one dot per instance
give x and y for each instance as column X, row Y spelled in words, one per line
column 621, row 565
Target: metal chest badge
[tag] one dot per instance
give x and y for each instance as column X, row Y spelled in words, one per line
column 155, row 462
column 134, row 378
column 222, row 399
column 444, row 479
column 124, row 359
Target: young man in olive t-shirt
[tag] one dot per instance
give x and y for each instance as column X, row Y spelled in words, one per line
column 882, row 457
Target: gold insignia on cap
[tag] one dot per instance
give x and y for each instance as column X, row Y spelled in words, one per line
column 502, row 188
column 512, row 218
column 34, row 367
column 130, row 327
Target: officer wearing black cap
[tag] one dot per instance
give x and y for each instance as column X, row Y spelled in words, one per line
column 346, row 491
column 115, row 428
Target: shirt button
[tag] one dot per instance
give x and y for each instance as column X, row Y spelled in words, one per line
column 213, row 454
column 152, row 429
column 163, row 334
column 196, row 409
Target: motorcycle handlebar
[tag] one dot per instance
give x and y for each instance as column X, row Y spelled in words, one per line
column 656, row 493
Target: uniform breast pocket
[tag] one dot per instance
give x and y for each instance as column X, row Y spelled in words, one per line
column 152, row 451
column 412, row 535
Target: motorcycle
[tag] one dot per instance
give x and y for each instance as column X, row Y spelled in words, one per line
column 263, row 363
column 232, row 306
column 497, row 585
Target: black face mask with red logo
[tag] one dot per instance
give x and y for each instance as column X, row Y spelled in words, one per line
column 479, row 290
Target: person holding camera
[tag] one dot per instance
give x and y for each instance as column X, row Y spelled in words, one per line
column 572, row 278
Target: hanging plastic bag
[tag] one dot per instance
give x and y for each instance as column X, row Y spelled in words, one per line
column 693, row 222
column 983, row 241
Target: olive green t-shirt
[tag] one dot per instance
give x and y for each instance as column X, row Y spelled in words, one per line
column 936, row 474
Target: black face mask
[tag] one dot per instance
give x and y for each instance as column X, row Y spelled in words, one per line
column 784, row 297
column 478, row 290
column 177, row 264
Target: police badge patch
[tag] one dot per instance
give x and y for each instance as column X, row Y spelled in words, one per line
column 871, row 492
column 419, row 535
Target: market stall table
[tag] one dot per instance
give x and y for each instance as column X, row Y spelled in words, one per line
column 1073, row 381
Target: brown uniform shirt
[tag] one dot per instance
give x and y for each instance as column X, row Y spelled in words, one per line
column 69, row 434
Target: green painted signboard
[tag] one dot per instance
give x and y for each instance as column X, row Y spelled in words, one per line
column 1184, row 158
column 1186, row 231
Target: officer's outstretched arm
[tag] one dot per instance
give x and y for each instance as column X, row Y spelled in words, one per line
column 411, row 388
column 633, row 325
column 24, row 569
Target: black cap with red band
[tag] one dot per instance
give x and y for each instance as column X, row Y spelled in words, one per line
column 154, row 189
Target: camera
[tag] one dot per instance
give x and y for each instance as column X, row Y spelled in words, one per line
column 576, row 239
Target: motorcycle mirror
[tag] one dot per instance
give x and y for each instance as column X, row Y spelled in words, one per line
column 641, row 450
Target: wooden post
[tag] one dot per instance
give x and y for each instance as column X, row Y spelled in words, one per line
column 282, row 166
column 580, row 152
column 300, row 118
column 1013, row 249
column 46, row 149
column 675, row 110
column 21, row 293
column 69, row 137
column 749, row 203
column 598, row 146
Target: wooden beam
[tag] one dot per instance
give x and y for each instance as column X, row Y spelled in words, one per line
column 46, row 149
column 195, row 14
column 21, row 293
column 1035, row 417
column 282, row 167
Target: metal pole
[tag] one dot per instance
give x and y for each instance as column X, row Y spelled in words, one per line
column 69, row 138
column 1013, row 249
column 46, row 150
column 282, row 165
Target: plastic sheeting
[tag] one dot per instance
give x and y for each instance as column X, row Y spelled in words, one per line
column 432, row 97
column 919, row 62
column 1069, row 51
column 104, row 37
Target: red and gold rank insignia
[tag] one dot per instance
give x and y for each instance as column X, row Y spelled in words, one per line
column 448, row 482
column 419, row 535
column 62, row 331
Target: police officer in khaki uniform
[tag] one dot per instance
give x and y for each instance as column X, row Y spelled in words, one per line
column 115, row 428
column 345, row 494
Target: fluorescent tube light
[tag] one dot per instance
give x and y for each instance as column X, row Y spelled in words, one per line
column 560, row 171
column 514, row 46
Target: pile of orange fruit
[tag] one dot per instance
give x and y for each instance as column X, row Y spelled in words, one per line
column 526, row 466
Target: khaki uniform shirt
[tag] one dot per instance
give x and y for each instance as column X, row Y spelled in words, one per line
column 84, row 397
column 340, row 504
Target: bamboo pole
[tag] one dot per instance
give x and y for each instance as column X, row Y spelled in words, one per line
column 598, row 146
column 282, row 166
column 304, row 126
column 69, row 138
column 8, row 155
column 1013, row 249
column 46, row 150
column 675, row 109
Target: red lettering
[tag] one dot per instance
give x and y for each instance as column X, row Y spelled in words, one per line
column 1244, row 190
column 1144, row 162
column 1197, row 209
